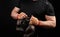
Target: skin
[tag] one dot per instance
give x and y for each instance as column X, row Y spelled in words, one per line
column 50, row 20
column 15, row 15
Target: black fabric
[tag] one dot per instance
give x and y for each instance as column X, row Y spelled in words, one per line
column 50, row 9
column 38, row 9
column 15, row 3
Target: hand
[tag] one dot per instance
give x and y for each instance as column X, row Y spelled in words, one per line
column 34, row 20
column 22, row 15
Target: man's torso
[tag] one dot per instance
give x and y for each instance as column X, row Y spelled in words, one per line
column 36, row 9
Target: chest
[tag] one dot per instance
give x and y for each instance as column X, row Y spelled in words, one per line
column 36, row 9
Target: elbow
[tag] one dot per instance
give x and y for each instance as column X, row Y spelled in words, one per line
column 53, row 24
column 11, row 15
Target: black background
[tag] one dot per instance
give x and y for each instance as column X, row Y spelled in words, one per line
column 7, row 23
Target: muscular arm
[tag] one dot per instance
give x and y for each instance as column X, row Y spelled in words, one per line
column 14, row 12
column 50, row 22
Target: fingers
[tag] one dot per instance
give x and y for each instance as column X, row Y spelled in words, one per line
column 22, row 15
column 34, row 20
column 30, row 22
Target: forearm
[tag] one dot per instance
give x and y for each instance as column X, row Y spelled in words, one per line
column 47, row 24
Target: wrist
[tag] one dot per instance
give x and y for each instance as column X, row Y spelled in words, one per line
column 17, row 16
column 38, row 23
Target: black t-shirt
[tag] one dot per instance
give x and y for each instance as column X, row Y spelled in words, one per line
column 38, row 9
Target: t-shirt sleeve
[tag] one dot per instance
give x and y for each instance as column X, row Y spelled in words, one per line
column 49, row 9
column 16, row 3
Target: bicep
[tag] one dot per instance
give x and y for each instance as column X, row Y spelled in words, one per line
column 50, row 9
column 15, row 9
column 50, row 18
column 50, row 13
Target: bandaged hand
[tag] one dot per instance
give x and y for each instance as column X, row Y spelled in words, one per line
column 22, row 15
column 34, row 21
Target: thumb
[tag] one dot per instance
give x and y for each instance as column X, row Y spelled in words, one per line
column 32, row 16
